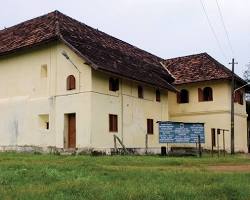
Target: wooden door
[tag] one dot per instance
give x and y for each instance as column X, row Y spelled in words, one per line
column 72, row 131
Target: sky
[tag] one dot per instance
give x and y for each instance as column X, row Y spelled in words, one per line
column 166, row 28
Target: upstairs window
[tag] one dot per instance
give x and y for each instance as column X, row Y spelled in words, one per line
column 71, row 82
column 140, row 92
column 183, row 96
column 238, row 97
column 113, row 84
column 158, row 95
column 205, row 94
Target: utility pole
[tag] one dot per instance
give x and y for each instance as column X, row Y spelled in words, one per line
column 232, row 106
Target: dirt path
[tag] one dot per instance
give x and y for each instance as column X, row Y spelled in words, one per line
column 230, row 168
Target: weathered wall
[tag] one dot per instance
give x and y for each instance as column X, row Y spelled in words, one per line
column 215, row 114
column 28, row 94
column 132, row 113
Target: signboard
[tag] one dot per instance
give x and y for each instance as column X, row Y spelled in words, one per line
column 180, row 132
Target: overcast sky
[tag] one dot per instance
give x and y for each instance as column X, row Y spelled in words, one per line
column 167, row 28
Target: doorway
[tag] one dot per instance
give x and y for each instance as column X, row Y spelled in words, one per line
column 71, row 131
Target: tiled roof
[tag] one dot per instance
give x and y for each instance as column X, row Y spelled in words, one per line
column 102, row 51
column 197, row 68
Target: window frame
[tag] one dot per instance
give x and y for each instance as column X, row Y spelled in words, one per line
column 239, row 97
column 71, row 82
column 150, row 126
column 113, row 123
column 140, row 92
column 113, row 84
column 207, row 95
column 157, row 95
column 180, row 97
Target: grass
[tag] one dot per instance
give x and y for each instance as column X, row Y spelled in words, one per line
column 29, row 176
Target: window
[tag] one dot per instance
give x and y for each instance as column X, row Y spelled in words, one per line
column 158, row 95
column 213, row 137
column 71, row 82
column 238, row 97
column 140, row 92
column 113, row 84
column 44, row 121
column 150, row 126
column 183, row 96
column 113, row 125
column 205, row 94
column 44, row 71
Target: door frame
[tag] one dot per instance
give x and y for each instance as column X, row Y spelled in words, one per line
column 67, row 124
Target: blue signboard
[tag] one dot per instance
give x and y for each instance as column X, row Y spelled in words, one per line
column 180, row 132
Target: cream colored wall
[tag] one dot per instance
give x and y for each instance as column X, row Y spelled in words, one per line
column 215, row 114
column 132, row 113
column 25, row 95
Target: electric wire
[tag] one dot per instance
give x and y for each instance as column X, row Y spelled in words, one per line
column 225, row 29
column 212, row 29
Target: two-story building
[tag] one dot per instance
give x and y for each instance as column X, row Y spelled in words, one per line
column 204, row 96
column 67, row 85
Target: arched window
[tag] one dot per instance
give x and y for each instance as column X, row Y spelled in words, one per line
column 71, row 82
column 207, row 94
column 183, row 96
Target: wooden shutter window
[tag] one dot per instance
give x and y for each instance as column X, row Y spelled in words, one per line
column 241, row 102
column 113, row 84
column 178, row 97
column 200, row 94
column 207, row 94
column 71, row 82
column 113, row 123
column 158, row 95
column 150, row 126
column 184, row 96
column 235, row 97
column 140, row 92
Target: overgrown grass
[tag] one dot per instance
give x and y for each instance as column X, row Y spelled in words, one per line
column 27, row 176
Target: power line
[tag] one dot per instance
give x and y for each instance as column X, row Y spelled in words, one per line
column 225, row 29
column 212, row 29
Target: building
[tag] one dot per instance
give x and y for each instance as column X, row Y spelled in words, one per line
column 205, row 96
column 65, row 85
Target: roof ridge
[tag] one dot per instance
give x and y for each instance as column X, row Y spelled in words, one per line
column 187, row 56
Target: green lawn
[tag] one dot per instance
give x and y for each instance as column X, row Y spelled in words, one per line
column 29, row 176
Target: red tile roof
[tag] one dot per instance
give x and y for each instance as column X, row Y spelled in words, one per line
column 197, row 68
column 102, row 51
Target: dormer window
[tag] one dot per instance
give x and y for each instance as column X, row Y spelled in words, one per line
column 71, row 82
column 113, row 84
